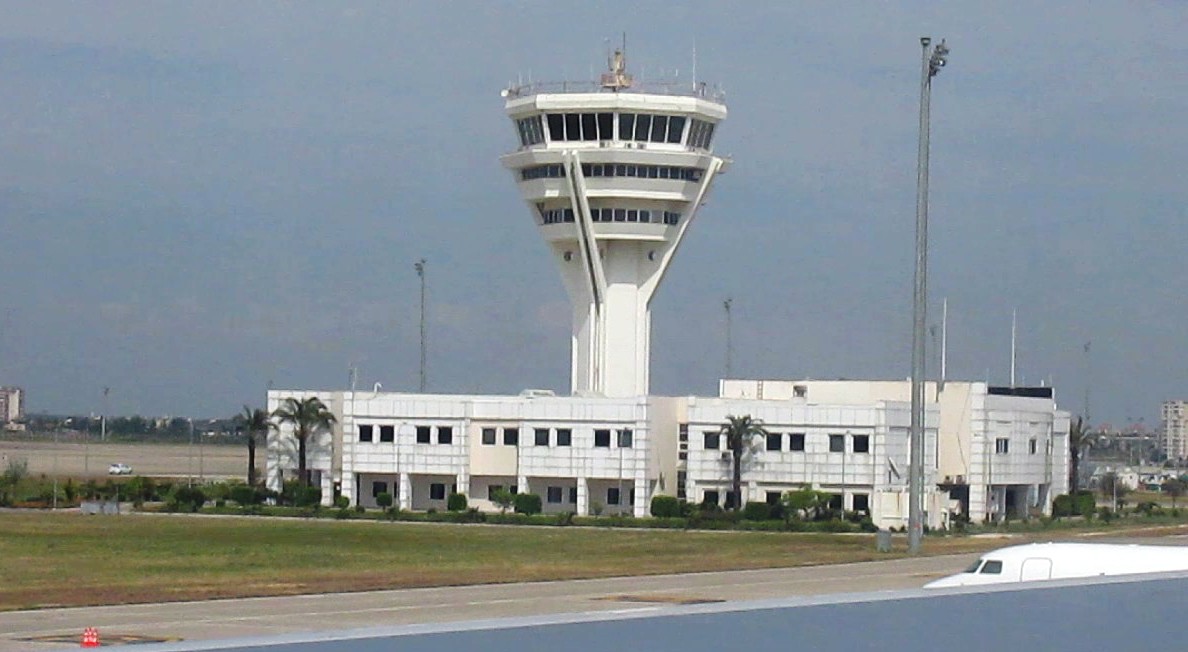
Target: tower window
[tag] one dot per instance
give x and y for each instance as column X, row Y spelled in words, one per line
column 556, row 122
column 589, row 127
column 626, row 126
column 659, row 128
column 606, row 123
column 643, row 125
column 676, row 127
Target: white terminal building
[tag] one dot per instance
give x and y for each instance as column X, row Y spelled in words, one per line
column 613, row 174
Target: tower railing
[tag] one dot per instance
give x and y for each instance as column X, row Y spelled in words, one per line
column 638, row 86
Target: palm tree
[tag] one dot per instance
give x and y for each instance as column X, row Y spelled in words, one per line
column 739, row 432
column 254, row 423
column 1078, row 440
column 308, row 417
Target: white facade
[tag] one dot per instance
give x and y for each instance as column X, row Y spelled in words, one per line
column 613, row 179
column 1174, row 431
column 999, row 451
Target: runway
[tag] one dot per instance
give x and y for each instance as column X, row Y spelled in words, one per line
column 233, row 619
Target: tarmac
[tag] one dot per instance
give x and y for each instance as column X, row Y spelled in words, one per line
column 48, row 629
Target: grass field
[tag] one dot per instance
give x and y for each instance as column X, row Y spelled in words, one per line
column 61, row 559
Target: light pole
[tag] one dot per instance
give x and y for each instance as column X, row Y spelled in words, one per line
column 103, row 417
column 933, row 60
column 420, row 267
column 190, row 456
column 729, row 336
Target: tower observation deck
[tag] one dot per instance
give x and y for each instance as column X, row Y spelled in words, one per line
column 613, row 173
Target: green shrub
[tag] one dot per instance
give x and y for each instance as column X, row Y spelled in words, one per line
column 456, row 503
column 469, row 515
column 308, row 497
column 342, row 502
column 384, row 499
column 527, row 504
column 186, row 499
column 565, row 518
column 757, row 511
column 666, row 507
column 342, row 513
column 1106, row 514
column 1062, row 505
column 244, row 495
column 1084, row 503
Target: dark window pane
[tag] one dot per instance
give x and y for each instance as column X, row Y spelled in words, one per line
column 796, row 441
column 573, row 495
column 437, row 491
column 606, row 122
column 837, row 443
column 387, row 433
column 709, row 135
column 423, row 434
column 835, row 501
column 573, row 126
column 511, row 436
column 625, row 438
column 564, row 436
column 365, row 433
column 861, row 502
column 489, row 436
column 602, row 438
column 775, row 441
column 589, row 127
column 659, row 127
column 445, row 434
column 556, row 126
column 492, row 490
column 711, row 441
column 643, row 124
column 378, row 488
column 710, row 497
column 861, row 443
column 541, row 436
column 626, row 126
column 554, row 495
column 676, row 124
column 612, row 496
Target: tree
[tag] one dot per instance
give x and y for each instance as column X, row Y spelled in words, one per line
column 1174, row 487
column 739, row 433
column 503, row 498
column 806, row 501
column 254, row 423
column 1113, row 486
column 308, row 417
column 1078, row 440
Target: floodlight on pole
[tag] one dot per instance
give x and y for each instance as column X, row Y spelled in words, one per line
column 420, row 267
column 933, row 60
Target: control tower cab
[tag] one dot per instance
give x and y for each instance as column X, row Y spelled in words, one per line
column 613, row 173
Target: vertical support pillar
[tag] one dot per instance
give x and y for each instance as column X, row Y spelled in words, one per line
column 462, row 479
column 583, row 498
column 405, row 491
column 640, row 505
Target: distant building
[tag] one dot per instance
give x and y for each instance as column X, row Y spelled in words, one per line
column 1174, row 434
column 12, row 406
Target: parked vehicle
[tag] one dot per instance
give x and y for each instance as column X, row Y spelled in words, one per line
column 119, row 468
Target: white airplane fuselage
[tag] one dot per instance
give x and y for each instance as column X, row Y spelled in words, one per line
column 1050, row 561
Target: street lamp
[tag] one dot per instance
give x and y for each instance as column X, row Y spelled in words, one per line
column 934, row 59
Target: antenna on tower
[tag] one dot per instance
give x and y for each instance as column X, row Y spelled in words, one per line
column 695, row 62
column 617, row 79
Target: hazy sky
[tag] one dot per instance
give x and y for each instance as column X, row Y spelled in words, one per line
column 198, row 199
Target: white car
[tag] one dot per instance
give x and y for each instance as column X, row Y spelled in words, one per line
column 119, row 468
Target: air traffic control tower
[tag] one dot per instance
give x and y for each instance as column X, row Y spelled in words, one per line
column 613, row 173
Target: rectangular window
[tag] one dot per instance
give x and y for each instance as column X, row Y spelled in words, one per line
column 378, row 488
column 626, row 129
column 602, row 438
column 556, row 122
column 437, row 491
column 554, row 495
column 861, row 443
column 365, row 433
column 775, row 441
column 424, row 434
column 711, row 441
column 659, row 127
column 589, row 127
column 573, row 127
column 606, row 122
column 612, row 496
column 643, row 124
column 387, row 433
column 511, row 436
column 541, row 436
column 488, row 436
column 445, row 434
column 492, row 490
column 1002, row 446
column 710, row 497
column 773, row 497
column 683, row 432
column 1033, row 446
column 835, row 502
column 796, row 441
column 564, row 437
column 620, row 214
column 573, row 495
column 625, row 438
column 837, row 443
column 676, row 125
column 682, row 484
column 861, row 503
